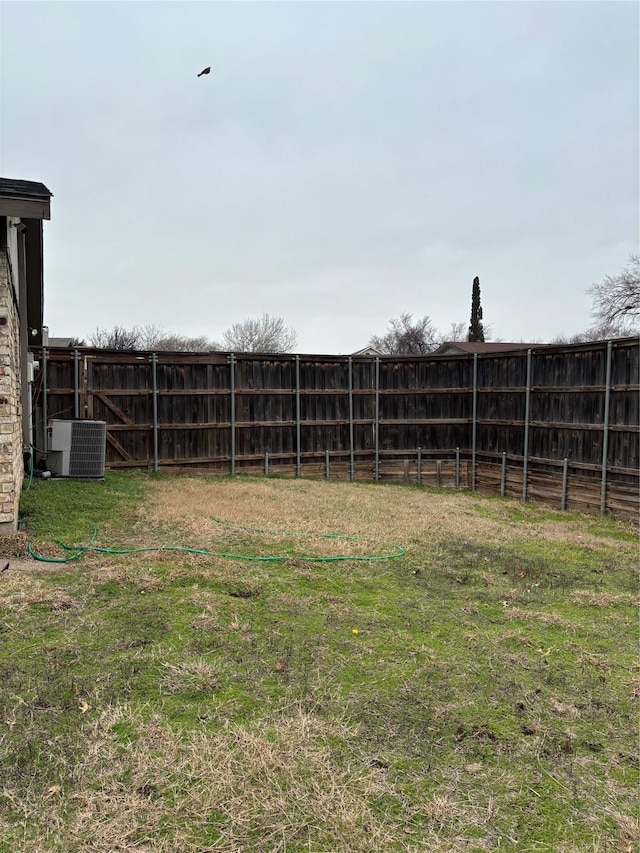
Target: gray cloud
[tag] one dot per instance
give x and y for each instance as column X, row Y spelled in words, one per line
column 341, row 164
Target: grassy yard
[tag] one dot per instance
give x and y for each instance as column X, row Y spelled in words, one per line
column 477, row 693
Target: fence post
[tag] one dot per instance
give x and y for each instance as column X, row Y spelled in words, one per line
column 474, row 427
column 527, row 413
column 76, row 384
column 457, row 467
column 266, row 464
column 326, row 464
column 297, row 360
column 376, row 467
column 154, row 404
column 232, row 414
column 565, row 478
column 605, row 430
column 419, row 466
column 351, row 448
column 503, row 477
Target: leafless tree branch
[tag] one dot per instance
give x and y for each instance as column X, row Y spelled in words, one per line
column 406, row 337
column 262, row 334
column 616, row 299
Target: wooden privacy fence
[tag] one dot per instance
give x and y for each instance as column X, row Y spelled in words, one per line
column 556, row 424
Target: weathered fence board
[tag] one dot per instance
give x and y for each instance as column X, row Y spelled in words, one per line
column 511, row 419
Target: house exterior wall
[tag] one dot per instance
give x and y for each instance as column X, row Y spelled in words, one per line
column 11, row 458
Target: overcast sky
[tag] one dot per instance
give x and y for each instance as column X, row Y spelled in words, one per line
column 342, row 163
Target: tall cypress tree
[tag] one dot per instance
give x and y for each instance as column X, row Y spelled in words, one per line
column 476, row 329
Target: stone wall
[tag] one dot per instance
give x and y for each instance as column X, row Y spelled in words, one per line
column 11, row 459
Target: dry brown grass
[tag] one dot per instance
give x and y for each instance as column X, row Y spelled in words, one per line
column 198, row 675
column 20, row 590
column 291, row 781
column 540, row 616
column 126, row 576
column 266, row 786
column 573, row 533
column 398, row 515
column 603, row 599
column 629, row 829
column 296, row 505
column 14, row 545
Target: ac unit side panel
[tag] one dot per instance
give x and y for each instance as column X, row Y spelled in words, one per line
column 60, row 435
column 58, row 461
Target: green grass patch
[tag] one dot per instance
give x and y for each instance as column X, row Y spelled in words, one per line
column 69, row 510
column 479, row 693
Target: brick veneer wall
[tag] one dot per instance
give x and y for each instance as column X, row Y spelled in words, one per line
column 11, row 459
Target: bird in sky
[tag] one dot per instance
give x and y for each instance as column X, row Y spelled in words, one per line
column 206, row 70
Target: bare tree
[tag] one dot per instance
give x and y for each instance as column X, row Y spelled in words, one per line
column 182, row 343
column 616, row 299
column 603, row 332
column 406, row 337
column 616, row 307
column 150, row 338
column 457, row 332
column 117, row 338
column 155, row 338
column 263, row 334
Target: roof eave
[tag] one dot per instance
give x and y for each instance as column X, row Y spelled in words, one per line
column 25, row 208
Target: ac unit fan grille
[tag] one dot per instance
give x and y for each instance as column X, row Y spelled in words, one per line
column 87, row 453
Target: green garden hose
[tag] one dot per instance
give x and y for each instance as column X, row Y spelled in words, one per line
column 81, row 549
column 78, row 550
column 398, row 551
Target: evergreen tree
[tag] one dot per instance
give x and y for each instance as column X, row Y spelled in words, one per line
column 476, row 329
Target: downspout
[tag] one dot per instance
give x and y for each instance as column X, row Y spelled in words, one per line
column 23, row 338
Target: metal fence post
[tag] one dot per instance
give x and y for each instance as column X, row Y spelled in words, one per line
column 351, row 448
column 326, row 465
column 419, row 477
column 474, row 426
column 154, row 402
column 565, row 478
column 266, row 464
column 297, row 361
column 232, row 414
column 527, row 413
column 503, row 476
column 605, row 430
column 76, row 384
column 457, row 467
column 376, row 468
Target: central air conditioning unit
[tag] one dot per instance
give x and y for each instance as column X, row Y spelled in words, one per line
column 77, row 448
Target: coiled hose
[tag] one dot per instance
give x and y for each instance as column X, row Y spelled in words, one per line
column 80, row 549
